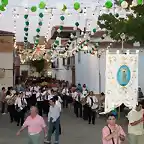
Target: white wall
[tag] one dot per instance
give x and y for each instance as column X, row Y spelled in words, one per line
column 87, row 71
column 6, row 62
column 61, row 73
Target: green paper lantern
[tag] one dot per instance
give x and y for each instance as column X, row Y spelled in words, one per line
column 42, row 5
column 25, row 29
column 33, row 9
column 36, row 41
column 4, row 2
column 57, row 42
column 108, row 4
column 38, row 30
column 61, row 28
column 76, row 5
column 117, row 15
column 38, row 36
column 94, row 30
column 41, row 15
column 120, row 1
column 140, row 2
column 40, row 23
column 27, row 23
column 2, row 7
column 26, row 34
column 77, row 24
column 62, row 18
column 26, row 16
column 25, row 38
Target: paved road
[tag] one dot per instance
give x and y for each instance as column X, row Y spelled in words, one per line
column 74, row 131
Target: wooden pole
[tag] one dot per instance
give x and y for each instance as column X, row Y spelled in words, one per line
column 119, row 113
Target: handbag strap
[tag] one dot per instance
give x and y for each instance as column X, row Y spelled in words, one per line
column 111, row 133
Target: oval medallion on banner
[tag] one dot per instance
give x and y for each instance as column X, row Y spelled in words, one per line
column 123, row 75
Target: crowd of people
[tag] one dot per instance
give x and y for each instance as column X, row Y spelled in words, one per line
column 48, row 100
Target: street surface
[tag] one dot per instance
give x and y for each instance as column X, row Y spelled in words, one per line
column 74, row 130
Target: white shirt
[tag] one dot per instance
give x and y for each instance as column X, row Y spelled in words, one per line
column 95, row 102
column 133, row 116
column 28, row 94
column 19, row 102
column 54, row 113
column 39, row 96
column 58, row 104
column 79, row 95
column 74, row 94
column 65, row 91
column 50, row 97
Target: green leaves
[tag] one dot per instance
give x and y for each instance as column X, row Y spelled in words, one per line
column 132, row 26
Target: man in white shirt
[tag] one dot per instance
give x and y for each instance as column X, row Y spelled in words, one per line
column 136, row 125
column 65, row 93
column 92, row 102
column 40, row 99
column 20, row 104
column 53, row 121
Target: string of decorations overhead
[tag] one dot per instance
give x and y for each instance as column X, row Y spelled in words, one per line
column 26, row 29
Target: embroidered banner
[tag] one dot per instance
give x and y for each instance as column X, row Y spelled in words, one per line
column 121, row 80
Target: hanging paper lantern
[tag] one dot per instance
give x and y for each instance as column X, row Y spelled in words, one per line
column 117, row 15
column 124, row 4
column 120, row 1
column 57, row 42
column 25, row 29
column 27, row 23
column 40, row 23
column 25, row 38
column 41, row 15
column 62, row 18
column 26, row 34
column 94, row 30
column 33, row 8
column 61, row 28
column 42, row 5
column 26, row 16
column 76, row 5
column 108, row 4
column 77, row 24
column 2, row 7
column 4, row 2
column 140, row 2
column 38, row 30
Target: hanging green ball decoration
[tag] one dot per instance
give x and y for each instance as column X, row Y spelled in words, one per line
column 41, row 15
column 26, row 34
column 42, row 5
column 27, row 23
column 120, row 1
column 76, row 5
column 77, row 24
column 25, row 29
column 2, row 7
column 57, row 42
column 33, row 9
column 40, row 23
column 140, row 2
column 62, row 18
column 4, row 2
column 61, row 28
column 37, row 36
column 38, row 30
column 108, row 4
column 94, row 30
column 25, row 38
column 117, row 15
column 26, row 16
column 36, row 41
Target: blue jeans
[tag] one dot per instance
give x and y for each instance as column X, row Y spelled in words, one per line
column 51, row 126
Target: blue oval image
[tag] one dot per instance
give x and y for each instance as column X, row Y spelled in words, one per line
column 123, row 75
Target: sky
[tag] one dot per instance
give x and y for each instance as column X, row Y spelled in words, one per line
column 7, row 20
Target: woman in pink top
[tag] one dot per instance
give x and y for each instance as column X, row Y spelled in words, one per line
column 112, row 133
column 35, row 124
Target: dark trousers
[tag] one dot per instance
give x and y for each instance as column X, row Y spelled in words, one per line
column 91, row 116
column 40, row 107
column 85, row 112
column 33, row 100
column 78, row 109
column 65, row 101
column 46, row 107
column 3, row 107
column 20, row 117
column 11, row 110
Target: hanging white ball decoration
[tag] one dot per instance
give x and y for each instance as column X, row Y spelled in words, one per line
column 124, row 4
column 92, row 33
column 75, row 28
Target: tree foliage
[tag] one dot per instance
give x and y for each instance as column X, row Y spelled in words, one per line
column 132, row 26
column 38, row 64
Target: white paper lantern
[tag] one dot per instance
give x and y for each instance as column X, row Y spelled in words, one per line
column 124, row 4
column 60, row 6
